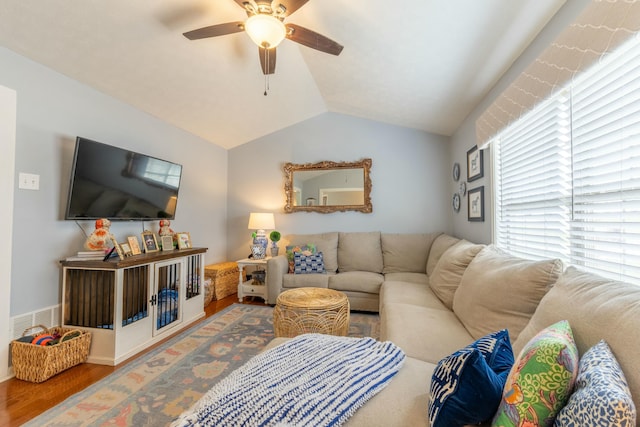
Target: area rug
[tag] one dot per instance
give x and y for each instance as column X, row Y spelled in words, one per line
column 154, row 389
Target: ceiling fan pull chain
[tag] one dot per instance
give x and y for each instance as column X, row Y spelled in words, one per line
column 266, row 76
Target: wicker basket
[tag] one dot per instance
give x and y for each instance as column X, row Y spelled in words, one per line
column 224, row 278
column 38, row 363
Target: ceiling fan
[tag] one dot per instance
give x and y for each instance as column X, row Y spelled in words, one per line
column 266, row 28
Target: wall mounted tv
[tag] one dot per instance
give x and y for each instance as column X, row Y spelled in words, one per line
column 110, row 182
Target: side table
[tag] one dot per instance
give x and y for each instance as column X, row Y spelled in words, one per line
column 249, row 288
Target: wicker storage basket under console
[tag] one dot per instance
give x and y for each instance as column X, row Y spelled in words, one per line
column 38, row 363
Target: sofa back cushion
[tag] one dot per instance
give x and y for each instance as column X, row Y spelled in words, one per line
column 327, row 243
column 446, row 276
column 406, row 253
column 597, row 308
column 499, row 291
column 360, row 251
column 439, row 247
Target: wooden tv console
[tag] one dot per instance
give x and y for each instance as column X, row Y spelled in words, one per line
column 130, row 304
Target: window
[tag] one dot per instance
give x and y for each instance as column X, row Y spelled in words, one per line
column 567, row 174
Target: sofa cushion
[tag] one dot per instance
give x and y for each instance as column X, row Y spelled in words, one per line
column 500, row 291
column 327, row 243
column 602, row 396
column 357, row 281
column 418, row 294
column 466, row 386
column 447, row 274
column 303, row 264
column 360, row 252
column 421, row 278
column 402, row 401
column 292, row 250
column 597, row 308
column 541, row 379
column 306, row 280
column 427, row 334
column 439, row 247
column 406, row 252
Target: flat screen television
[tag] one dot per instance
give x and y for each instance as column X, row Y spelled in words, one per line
column 118, row 184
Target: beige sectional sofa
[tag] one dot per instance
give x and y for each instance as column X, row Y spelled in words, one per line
column 436, row 294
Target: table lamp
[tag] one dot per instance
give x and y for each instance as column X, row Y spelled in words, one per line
column 260, row 222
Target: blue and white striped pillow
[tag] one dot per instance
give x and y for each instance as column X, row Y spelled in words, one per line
column 308, row 264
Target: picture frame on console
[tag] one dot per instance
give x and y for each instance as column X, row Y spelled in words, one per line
column 167, row 243
column 475, row 164
column 117, row 247
column 149, row 241
column 475, row 204
column 134, row 244
column 184, row 240
column 126, row 249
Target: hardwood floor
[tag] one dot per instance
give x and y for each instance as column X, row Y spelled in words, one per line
column 21, row 401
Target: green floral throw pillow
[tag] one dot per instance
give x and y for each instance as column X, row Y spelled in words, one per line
column 541, row 380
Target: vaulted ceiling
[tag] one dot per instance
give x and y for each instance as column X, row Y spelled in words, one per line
column 422, row 64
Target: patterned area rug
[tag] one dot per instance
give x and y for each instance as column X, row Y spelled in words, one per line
column 154, row 389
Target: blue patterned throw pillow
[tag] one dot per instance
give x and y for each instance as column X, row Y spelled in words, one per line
column 601, row 396
column 466, row 386
column 307, row 264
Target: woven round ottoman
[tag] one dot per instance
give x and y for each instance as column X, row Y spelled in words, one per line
column 305, row 310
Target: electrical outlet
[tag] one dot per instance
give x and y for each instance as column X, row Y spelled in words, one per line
column 28, row 181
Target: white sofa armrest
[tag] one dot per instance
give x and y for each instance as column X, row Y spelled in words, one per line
column 277, row 267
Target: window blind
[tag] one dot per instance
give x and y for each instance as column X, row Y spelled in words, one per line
column 605, row 231
column 532, row 171
column 567, row 174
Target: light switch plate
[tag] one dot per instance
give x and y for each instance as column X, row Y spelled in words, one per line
column 28, row 181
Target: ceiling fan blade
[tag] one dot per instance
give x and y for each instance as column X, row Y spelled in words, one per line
column 267, row 60
column 312, row 39
column 215, row 30
column 289, row 5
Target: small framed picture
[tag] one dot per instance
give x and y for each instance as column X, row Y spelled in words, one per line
column 184, row 240
column 475, row 204
column 475, row 164
column 117, row 248
column 167, row 243
column 134, row 244
column 149, row 241
column 126, row 249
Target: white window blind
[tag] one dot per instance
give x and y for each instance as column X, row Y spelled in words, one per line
column 605, row 231
column 567, row 174
column 532, row 173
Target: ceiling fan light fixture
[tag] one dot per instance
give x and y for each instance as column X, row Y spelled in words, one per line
column 265, row 30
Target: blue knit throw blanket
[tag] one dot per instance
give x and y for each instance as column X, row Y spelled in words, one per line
column 311, row 380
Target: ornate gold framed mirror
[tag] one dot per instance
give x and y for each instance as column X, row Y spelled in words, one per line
column 327, row 187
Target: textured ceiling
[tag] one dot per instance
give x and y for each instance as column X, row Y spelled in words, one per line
column 423, row 64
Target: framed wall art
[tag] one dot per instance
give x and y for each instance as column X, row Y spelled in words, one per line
column 475, row 204
column 475, row 164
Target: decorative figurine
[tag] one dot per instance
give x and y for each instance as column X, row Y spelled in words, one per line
column 100, row 239
column 165, row 230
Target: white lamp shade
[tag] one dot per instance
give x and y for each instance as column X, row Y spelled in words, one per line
column 265, row 30
column 261, row 221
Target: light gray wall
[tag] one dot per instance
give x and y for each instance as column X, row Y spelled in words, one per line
column 408, row 175
column 465, row 136
column 52, row 111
